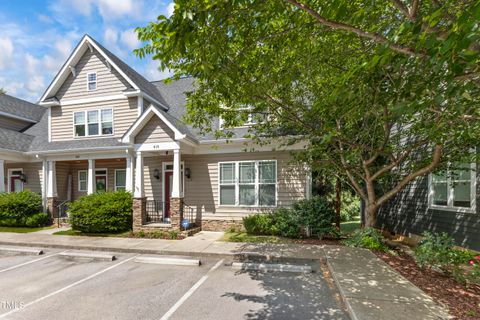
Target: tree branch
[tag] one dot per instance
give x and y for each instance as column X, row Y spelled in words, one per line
column 437, row 155
column 345, row 27
column 403, row 8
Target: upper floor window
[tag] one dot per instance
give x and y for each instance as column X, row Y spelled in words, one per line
column 453, row 188
column 93, row 122
column 92, row 81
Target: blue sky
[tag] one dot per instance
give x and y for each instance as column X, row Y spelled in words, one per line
column 37, row 36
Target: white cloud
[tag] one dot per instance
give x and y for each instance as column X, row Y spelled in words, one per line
column 153, row 73
column 170, row 9
column 129, row 38
column 110, row 35
column 64, row 47
column 6, row 52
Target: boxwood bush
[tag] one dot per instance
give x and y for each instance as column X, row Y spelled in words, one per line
column 20, row 209
column 102, row 212
column 316, row 214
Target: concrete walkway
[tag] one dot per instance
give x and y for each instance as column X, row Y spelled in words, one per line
column 370, row 288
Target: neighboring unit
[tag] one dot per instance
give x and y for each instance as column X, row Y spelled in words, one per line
column 101, row 126
column 441, row 202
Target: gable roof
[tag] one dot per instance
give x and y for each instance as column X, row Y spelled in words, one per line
column 20, row 109
column 137, row 82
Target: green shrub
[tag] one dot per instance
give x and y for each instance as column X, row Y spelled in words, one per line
column 368, row 238
column 17, row 207
column 350, row 207
column 37, row 220
column 102, row 212
column 317, row 214
column 261, row 224
column 437, row 250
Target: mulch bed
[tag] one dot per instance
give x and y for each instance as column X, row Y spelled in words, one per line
column 462, row 302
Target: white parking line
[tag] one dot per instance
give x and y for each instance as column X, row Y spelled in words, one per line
column 31, row 261
column 187, row 295
column 66, row 288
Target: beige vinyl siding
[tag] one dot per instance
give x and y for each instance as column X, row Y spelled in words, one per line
column 109, row 164
column 154, row 131
column 33, row 171
column 124, row 114
column 201, row 191
column 13, row 124
column 62, row 169
column 109, row 82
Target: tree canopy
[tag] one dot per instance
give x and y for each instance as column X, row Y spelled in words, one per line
column 382, row 92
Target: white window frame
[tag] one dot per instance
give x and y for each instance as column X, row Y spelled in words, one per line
column 9, row 177
column 86, row 180
column 257, row 184
column 88, row 81
column 100, row 123
column 450, row 193
column 115, row 179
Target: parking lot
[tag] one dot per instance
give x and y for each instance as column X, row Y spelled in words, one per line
column 51, row 286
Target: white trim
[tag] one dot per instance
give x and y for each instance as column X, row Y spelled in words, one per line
column 256, row 183
column 450, row 193
column 73, row 71
column 78, row 180
column 92, row 100
column 139, row 93
column 138, row 125
column 49, row 124
column 88, row 81
column 2, row 175
column 164, row 169
column 160, row 146
column 81, row 49
column 12, row 116
column 9, row 174
column 139, row 105
column 139, row 191
column 115, row 179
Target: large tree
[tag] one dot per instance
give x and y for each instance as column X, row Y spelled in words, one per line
column 382, row 92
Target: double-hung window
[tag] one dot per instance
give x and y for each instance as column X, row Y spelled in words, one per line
column 120, row 179
column 92, row 81
column 93, row 122
column 82, row 180
column 453, row 188
column 248, row 183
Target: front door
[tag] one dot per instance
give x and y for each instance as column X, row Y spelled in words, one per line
column 16, row 184
column 101, row 183
column 168, row 192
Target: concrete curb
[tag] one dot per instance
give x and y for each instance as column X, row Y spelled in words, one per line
column 87, row 256
column 166, row 260
column 22, row 251
column 273, row 267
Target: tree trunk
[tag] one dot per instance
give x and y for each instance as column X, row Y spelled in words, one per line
column 338, row 202
column 370, row 215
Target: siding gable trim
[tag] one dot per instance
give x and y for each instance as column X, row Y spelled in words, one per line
column 76, row 55
column 138, row 125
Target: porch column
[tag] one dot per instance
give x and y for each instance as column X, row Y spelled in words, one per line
column 129, row 174
column 2, row 175
column 176, row 201
column 44, row 184
column 176, row 183
column 52, row 189
column 139, row 200
column 90, row 179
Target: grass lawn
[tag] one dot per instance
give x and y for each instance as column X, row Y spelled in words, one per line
column 22, row 229
column 72, row 232
column 350, row 226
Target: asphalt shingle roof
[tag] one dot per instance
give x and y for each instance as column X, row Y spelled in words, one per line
column 13, row 140
column 21, row 108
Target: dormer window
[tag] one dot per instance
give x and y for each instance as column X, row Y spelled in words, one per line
column 92, row 81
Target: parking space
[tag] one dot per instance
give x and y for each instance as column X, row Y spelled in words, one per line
column 53, row 287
